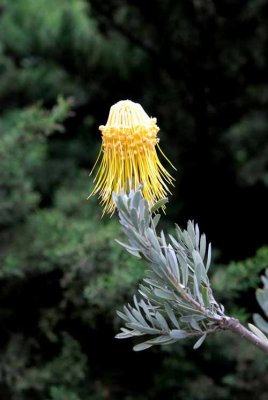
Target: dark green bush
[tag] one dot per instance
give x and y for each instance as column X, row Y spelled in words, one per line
column 201, row 69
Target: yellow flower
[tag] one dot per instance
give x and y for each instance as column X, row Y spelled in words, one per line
column 128, row 156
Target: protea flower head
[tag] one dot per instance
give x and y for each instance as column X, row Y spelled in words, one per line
column 128, row 156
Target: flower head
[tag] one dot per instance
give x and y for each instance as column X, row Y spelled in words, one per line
column 128, row 156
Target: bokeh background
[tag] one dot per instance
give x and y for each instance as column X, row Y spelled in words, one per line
column 201, row 68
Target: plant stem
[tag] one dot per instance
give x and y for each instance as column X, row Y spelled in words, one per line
column 232, row 324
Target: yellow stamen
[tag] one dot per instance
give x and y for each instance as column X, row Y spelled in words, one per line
column 129, row 157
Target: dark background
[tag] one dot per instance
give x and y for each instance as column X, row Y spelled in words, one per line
column 201, row 68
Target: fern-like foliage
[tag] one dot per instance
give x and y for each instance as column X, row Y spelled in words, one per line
column 262, row 298
column 175, row 298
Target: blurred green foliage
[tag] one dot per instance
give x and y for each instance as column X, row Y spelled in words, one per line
column 22, row 152
column 241, row 276
column 201, row 68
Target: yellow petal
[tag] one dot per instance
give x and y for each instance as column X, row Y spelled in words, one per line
column 128, row 156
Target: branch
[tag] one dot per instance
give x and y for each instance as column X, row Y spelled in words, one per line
column 177, row 300
column 233, row 325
